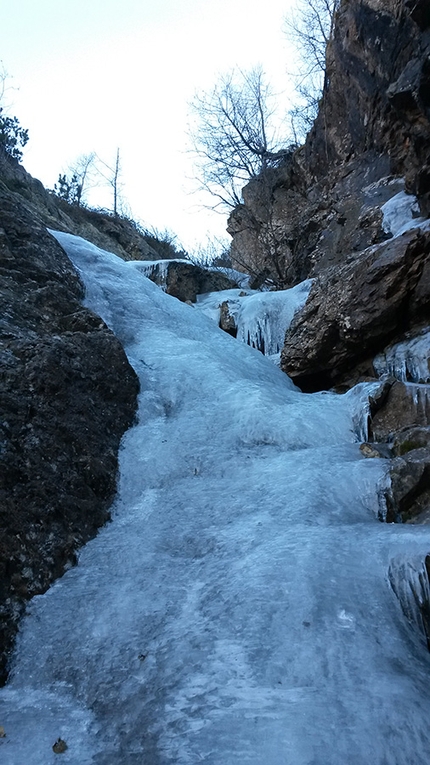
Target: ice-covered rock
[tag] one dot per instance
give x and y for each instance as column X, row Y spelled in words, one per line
column 401, row 213
column 405, row 405
column 260, row 319
column 409, row 578
column 264, row 317
column 408, row 360
column 182, row 278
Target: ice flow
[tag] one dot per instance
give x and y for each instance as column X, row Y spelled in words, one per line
column 238, row 609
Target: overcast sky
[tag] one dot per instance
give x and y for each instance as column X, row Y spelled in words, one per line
column 94, row 75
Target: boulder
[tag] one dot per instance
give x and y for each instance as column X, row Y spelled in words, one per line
column 354, row 310
column 185, row 280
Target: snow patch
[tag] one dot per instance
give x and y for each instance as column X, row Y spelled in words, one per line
column 402, row 213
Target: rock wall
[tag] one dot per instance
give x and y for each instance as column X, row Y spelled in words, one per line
column 373, row 126
column 67, row 394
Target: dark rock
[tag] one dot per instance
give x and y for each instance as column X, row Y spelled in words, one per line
column 67, row 394
column 354, row 310
column 408, row 498
column 226, row 320
column 60, row 746
column 410, row 438
column 420, row 12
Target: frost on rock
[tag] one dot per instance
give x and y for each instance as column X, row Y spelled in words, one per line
column 407, row 360
column 401, row 213
column 210, row 302
column 236, row 611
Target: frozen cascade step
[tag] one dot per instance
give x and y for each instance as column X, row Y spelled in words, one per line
column 261, row 318
column 237, row 610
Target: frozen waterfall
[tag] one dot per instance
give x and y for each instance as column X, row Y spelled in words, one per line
column 238, row 609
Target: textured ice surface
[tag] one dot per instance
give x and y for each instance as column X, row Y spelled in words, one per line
column 408, row 360
column 237, row 610
column 401, row 213
column 262, row 318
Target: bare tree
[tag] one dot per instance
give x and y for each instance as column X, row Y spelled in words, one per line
column 80, row 177
column 112, row 176
column 233, row 136
column 309, row 27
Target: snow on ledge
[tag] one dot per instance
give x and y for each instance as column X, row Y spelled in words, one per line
column 402, row 213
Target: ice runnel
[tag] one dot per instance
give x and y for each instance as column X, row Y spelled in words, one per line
column 237, row 609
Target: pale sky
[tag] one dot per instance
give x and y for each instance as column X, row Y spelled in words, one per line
column 94, row 75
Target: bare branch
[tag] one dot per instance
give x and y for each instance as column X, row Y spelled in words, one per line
column 233, row 138
column 309, row 27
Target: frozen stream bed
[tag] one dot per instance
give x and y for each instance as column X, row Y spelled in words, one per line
column 237, row 610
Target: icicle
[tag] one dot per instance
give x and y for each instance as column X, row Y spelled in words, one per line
column 410, row 582
column 406, row 361
column 264, row 317
column 359, row 397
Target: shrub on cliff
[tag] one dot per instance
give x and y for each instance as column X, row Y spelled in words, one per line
column 13, row 137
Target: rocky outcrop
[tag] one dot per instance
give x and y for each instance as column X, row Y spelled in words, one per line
column 67, row 394
column 357, row 308
column 185, row 280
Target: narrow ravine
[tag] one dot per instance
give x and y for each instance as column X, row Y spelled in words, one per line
column 238, row 609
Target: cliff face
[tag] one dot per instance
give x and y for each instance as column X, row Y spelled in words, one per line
column 373, row 126
column 67, row 394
